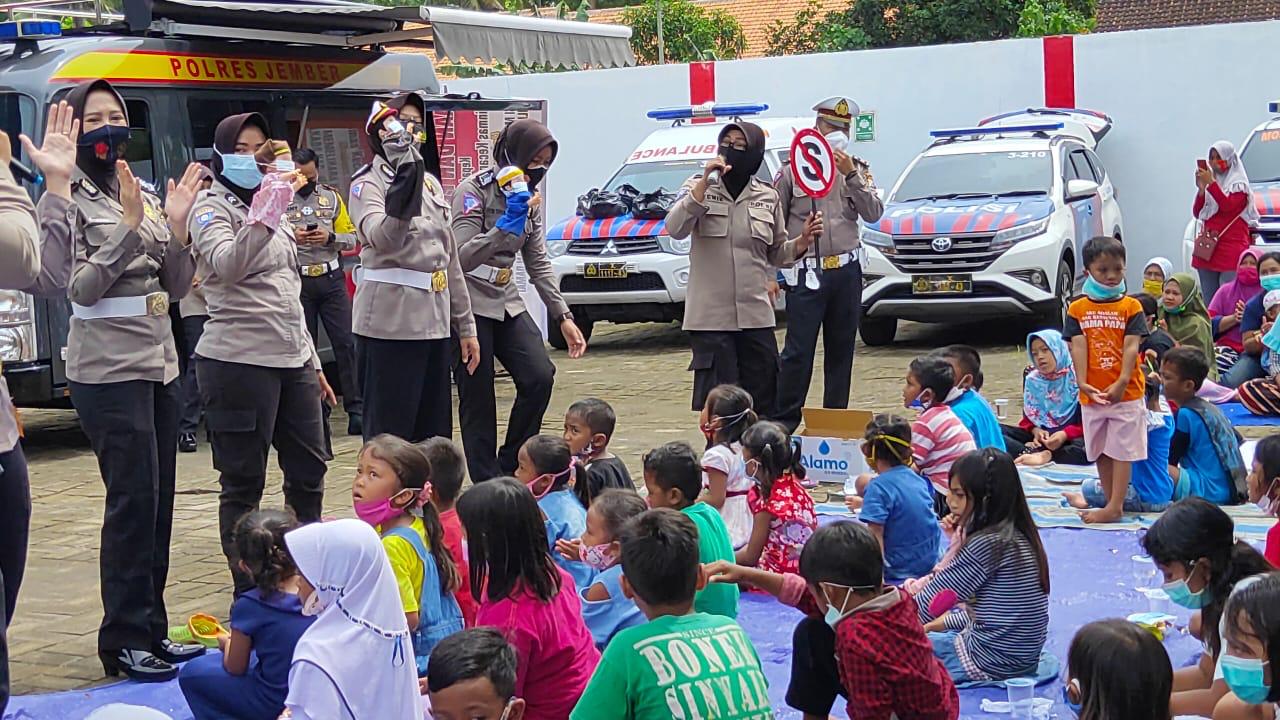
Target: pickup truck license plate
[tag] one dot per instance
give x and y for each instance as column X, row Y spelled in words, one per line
column 605, row 271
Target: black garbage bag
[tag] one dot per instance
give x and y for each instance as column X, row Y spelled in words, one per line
column 652, row 205
column 597, row 203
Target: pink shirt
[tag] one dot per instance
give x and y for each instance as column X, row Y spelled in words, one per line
column 555, row 652
column 938, row 439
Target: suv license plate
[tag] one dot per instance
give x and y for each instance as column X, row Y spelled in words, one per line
column 605, row 271
column 941, row 284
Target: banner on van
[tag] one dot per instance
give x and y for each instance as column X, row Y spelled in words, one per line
column 174, row 68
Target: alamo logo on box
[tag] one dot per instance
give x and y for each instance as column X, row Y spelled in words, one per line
column 823, row 460
column 831, row 460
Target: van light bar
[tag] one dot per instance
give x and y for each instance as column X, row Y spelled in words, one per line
column 1273, row 106
column 706, row 110
column 1045, row 111
column 29, row 30
column 997, row 130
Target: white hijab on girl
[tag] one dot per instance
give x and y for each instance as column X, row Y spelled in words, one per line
column 1234, row 180
column 356, row 660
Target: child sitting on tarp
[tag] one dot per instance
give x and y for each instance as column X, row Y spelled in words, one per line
column 938, row 437
column 970, row 406
column 1204, row 455
column 1261, row 396
column 1050, row 430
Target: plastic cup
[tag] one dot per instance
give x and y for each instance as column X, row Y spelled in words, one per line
column 1022, row 694
column 1002, row 408
column 1144, row 570
column 1157, row 600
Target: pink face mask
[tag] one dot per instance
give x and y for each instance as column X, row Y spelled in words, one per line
column 597, row 556
column 380, row 512
column 1247, row 274
column 533, row 484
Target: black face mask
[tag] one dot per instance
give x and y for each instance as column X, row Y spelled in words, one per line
column 306, row 190
column 101, row 147
column 535, row 176
column 738, row 176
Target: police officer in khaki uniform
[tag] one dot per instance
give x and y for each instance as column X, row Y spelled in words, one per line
column 491, row 227
column 257, row 369
column 739, row 236
column 410, row 288
column 824, row 288
column 40, row 269
column 130, row 255
column 323, row 231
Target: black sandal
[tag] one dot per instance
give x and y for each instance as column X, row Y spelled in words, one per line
column 139, row 665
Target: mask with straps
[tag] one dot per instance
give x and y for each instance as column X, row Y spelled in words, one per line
column 571, row 471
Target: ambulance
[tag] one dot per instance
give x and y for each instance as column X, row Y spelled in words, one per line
column 988, row 223
column 624, row 270
column 1260, row 154
column 311, row 68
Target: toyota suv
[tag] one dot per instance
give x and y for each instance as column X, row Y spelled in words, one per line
column 988, row 222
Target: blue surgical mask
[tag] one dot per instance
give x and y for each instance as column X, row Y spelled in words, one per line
column 1246, row 678
column 241, row 170
column 1074, row 707
column 1098, row 292
column 834, row 615
column 1180, row 593
column 1270, row 282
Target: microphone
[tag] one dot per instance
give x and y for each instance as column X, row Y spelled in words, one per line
column 22, row 172
column 713, row 176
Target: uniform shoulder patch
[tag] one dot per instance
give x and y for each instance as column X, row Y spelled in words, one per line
column 470, row 201
column 204, row 218
column 485, row 177
column 147, row 187
column 356, row 189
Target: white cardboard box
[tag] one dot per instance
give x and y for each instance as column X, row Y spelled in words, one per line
column 831, row 444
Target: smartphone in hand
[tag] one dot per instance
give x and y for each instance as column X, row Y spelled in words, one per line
column 1202, row 164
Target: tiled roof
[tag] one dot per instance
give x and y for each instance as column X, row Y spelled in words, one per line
column 754, row 16
column 1139, row 14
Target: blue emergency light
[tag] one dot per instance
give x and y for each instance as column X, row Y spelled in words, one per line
column 707, row 110
column 997, row 130
column 1273, row 106
column 29, row 30
column 1045, row 111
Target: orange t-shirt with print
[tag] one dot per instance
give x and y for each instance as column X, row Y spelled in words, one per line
column 1104, row 326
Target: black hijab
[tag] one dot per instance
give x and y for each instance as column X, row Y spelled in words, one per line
column 517, row 145
column 743, row 163
column 429, row 148
column 90, row 159
column 224, row 143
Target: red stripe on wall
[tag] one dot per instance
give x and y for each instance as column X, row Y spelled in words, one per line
column 702, row 86
column 1059, row 72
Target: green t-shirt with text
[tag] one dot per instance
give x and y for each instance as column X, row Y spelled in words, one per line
column 678, row 668
column 713, row 544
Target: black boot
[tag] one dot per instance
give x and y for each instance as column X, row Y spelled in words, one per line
column 355, row 424
column 187, row 442
column 138, row 665
column 172, row 652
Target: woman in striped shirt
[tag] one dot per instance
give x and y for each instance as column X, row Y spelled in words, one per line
column 987, row 612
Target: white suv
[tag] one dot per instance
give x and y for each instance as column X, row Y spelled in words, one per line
column 625, row 270
column 1261, row 157
column 989, row 222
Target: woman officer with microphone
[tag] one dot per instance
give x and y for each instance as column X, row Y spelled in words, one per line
column 256, row 367
column 739, row 234
column 130, row 254
column 410, row 287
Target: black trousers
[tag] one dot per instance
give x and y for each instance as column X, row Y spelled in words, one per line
column 406, row 387
column 1016, row 439
column 132, row 427
column 747, row 358
column 192, row 405
column 815, row 678
column 835, row 307
column 249, row 409
column 517, row 344
column 325, row 299
column 15, row 526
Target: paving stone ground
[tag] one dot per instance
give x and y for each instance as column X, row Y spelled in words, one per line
column 640, row 369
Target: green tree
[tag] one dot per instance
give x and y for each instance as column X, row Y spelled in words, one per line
column 1052, row 17
column 813, row 30
column 690, row 32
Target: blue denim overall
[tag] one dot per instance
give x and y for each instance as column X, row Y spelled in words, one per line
column 438, row 613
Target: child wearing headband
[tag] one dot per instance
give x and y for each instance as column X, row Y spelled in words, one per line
column 392, row 492
column 549, row 469
column 725, row 417
column 897, row 505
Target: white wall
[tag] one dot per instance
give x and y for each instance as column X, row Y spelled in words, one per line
column 1171, row 94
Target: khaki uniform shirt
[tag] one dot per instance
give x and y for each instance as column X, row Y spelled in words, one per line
column 478, row 203
column 325, row 209
column 423, row 243
column 113, row 260
column 194, row 303
column 736, row 244
column 250, row 279
column 28, row 265
column 851, row 197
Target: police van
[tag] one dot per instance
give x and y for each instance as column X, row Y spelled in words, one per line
column 1260, row 154
column 624, row 270
column 989, row 222
column 311, row 68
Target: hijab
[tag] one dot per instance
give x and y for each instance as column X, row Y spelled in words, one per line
column 1234, row 180
column 224, row 143
column 743, row 164
column 1244, row 288
column 1189, row 325
column 519, row 143
column 1051, row 401
column 360, row 640
column 95, row 159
